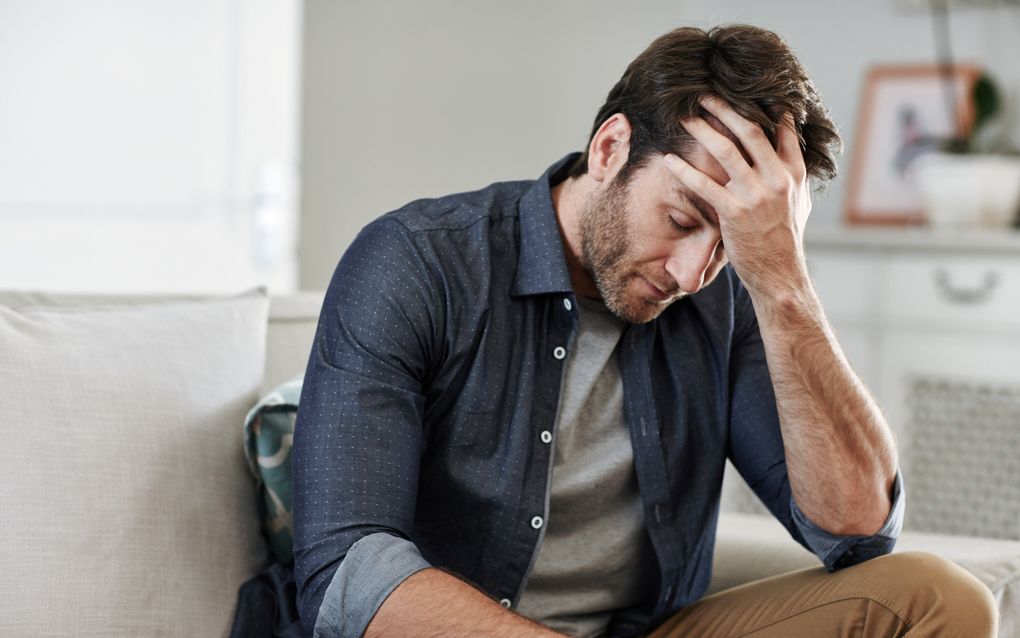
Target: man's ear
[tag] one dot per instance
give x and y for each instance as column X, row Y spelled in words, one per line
column 609, row 147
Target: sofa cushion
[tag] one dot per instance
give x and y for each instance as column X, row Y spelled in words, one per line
column 750, row 547
column 268, row 439
column 127, row 507
column 292, row 322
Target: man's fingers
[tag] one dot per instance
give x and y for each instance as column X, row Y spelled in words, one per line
column 751, row 137
column 717, row 196
column 788, row 147
column 720, row 147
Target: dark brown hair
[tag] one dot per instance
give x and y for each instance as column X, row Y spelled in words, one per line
column 750, row 68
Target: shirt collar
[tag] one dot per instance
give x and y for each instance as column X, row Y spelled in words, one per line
column 541, row 264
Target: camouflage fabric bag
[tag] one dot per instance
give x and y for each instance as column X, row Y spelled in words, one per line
column 268, row 437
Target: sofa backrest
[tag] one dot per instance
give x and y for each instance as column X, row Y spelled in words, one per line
column 292, row 322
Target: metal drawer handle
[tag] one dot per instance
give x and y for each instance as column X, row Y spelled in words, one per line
column 975, row 295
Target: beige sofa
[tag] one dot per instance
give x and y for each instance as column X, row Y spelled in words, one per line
column 127, row 506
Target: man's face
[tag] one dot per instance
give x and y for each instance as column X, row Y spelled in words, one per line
column 650, row 241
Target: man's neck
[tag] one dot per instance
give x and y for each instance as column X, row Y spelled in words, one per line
column 568, row 199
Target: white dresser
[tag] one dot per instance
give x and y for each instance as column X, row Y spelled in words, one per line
column 931, row 322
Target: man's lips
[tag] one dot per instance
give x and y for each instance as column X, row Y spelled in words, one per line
column 657, row 292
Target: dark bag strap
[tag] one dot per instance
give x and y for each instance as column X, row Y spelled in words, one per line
column 267, row 606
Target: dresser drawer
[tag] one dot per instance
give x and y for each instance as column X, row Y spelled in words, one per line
column 970, row 292
column 846, row 284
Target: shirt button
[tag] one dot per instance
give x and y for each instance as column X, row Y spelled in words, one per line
column 546, row 436
column 567, row 304
column 505, row 603
column 536, row 522
column 559, row 352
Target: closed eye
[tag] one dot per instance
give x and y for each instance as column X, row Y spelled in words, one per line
column 680, row 227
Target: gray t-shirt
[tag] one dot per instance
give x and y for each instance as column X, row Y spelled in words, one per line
column 595, row 555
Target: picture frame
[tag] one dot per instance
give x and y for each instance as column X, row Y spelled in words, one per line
column 906, row 112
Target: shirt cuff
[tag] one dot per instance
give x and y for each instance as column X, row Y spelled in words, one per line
column 838, row 551
column 372, row 569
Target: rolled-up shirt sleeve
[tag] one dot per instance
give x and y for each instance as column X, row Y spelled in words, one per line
column 359, row 436
column 838, row 551
column 373, row 568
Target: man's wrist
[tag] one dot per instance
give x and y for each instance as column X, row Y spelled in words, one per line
column 786, row 297
column 436, row 602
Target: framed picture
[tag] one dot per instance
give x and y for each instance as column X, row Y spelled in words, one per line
column 906, row 112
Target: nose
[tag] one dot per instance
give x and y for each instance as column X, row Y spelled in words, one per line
column 689, row 264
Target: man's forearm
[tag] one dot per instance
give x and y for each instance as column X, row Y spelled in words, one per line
column 432, row 603
column 840, row 454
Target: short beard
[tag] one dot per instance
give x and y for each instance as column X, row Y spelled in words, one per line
column 605, row 247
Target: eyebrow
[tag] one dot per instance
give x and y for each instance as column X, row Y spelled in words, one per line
column 699, row 205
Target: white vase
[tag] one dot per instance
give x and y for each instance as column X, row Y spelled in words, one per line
column 969, row 191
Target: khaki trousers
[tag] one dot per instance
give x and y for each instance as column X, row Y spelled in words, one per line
column 913, row 594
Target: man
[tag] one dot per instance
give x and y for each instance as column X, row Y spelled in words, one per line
column 520, row 400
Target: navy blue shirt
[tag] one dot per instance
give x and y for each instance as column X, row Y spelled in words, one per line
column 435, row 369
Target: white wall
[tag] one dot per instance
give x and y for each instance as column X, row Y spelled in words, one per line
column 149, row 145
column 405, row 99
column 409, row 99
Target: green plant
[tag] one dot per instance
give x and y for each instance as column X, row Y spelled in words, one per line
column 987, row 104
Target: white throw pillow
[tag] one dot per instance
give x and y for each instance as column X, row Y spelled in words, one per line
column 125, row 504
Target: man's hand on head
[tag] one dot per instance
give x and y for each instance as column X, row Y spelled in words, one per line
column 765, row 204
column 840, row 453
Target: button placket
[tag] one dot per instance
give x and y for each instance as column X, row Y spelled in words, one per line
column 559, row 353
